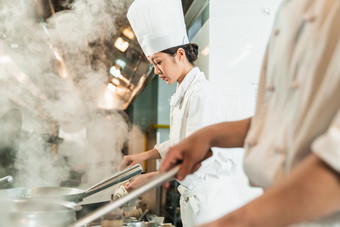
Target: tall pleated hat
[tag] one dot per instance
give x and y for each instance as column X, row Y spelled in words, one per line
column 158, row 24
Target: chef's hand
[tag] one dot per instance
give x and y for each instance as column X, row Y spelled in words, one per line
column 130, row 160
column 221, row 222
column 138, row 181
column 190, row 152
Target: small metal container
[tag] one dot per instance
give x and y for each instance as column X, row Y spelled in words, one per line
column 142, row 224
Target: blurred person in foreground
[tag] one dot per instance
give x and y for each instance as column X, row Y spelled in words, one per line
column 293, row 141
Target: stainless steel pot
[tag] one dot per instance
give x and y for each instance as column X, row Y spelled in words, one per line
column 35, row 213
column 70, row 194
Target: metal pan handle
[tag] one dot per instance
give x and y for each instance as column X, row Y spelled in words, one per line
column 152, row 183
column 115, row 179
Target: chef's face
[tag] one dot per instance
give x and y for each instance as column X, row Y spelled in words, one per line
column 169, row 68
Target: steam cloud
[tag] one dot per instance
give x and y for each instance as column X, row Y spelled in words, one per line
column 46, row 71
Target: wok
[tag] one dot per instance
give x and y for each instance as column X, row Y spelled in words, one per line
column 70, row 194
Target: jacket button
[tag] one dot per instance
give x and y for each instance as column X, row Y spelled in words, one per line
column 308, row 17
column 276, row 31
column 278, row 150
column 250, row 144
column 270, row 88
column 294, row 85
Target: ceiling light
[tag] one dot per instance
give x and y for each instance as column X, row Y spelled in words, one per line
column 128, row 33
column 115, row 81
column 121, row 63
column 121, row 44
column 115, row 72
column 111, row 87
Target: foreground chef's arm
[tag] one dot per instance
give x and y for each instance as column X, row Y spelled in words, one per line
column 194, row 149
column 311, row 191
column 229, row 134
column 151, row 154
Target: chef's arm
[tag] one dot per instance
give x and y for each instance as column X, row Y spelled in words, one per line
column 228, row 134
column 311, row 191
column 130, row 160
column 150, row 154
column 194, row 149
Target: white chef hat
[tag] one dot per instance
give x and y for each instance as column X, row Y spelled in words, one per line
column 158, row 24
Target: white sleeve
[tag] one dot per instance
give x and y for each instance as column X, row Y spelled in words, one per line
column 163, row 148
column 327, row 146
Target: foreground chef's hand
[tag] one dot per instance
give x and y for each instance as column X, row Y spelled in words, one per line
column 138, row 181
column 130, row 160
column 190, row 151
column 221, row 222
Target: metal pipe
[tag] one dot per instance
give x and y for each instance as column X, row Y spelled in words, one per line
column 154, row 182
column 6, row 180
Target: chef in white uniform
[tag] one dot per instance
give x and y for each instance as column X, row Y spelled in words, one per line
column 293, row 141
column 160, row 29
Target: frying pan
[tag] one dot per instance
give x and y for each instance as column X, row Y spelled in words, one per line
column 70, row 194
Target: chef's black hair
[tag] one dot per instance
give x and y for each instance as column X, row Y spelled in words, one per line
column 191, row 51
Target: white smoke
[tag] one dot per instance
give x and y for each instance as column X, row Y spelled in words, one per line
column 45, row 69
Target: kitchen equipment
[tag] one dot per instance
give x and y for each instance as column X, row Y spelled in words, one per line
column 135, row 213
column 143, row 214
column 71, row 194
column 112, row 219
column 142, row 224
column 10, row 133
column 33, row 213
column 154, row 182
column 151, row 217
column 6, row 181
column 10, row 126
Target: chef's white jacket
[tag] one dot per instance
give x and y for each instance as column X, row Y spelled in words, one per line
column 211, row 191
column 298, row 96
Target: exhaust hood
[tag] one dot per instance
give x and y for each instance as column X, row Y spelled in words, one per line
column 52, row 51
column 57, row 51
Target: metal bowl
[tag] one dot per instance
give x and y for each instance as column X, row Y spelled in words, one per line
column 142, row 224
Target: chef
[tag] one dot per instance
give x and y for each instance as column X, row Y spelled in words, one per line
column 160, row 29
column 293, row 141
